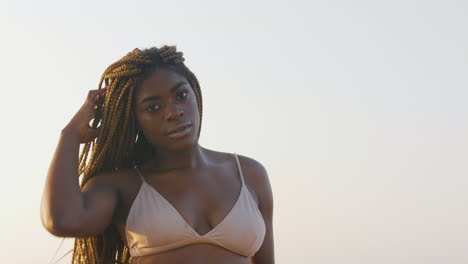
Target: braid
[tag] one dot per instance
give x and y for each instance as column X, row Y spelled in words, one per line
column 119, row 143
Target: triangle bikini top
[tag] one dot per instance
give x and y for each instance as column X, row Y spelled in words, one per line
column 153, row 225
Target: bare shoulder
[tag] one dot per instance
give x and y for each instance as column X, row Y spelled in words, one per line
column 257, row 176
column 115, row 188
column 101, row 180
column 257, row 170
column 110, row 180
column 253, row 170
column 104, row 179
column 256, row 173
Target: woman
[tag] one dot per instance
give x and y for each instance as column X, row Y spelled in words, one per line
column 149, row 192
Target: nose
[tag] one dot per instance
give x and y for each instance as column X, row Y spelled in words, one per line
column 173, row 111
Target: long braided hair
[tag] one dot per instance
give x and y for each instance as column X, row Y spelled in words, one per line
column 120, row 144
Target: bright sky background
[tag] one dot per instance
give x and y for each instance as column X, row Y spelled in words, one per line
column 358, row 110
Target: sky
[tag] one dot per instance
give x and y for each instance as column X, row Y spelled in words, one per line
column 357, row 109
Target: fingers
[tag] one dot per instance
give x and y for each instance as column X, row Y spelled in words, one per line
column 100, row 98
column 95, row 96
column 92, row 133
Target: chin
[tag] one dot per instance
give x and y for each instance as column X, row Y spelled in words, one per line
column 182, row 143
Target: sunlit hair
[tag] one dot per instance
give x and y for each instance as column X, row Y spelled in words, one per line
column 120, row 144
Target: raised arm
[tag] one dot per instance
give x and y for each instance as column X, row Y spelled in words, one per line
column 66, row 210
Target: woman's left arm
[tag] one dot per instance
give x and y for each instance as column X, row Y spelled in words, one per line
column 258, row 177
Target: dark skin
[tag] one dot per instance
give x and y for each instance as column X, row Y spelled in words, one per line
column 201, row 184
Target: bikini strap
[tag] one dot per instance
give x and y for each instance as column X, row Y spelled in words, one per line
column 240, row 169
column 139, row 173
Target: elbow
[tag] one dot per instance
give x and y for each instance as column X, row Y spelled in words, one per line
column 53, row 227
column 64, row 228
column 70, row 227
column 57, row 223
column 58, row 226
column 49, row 221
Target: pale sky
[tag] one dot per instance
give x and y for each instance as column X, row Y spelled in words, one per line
column 357, row 109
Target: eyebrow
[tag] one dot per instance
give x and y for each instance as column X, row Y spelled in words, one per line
column 156, row 97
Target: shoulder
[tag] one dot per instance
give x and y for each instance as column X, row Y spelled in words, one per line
column 256, row 175
column 101, row 179
column 111, row 180
column 254, row 172
column 253, row 169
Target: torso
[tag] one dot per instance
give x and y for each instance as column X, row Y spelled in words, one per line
column 203, row 197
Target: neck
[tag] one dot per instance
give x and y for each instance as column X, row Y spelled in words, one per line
column 190, row 158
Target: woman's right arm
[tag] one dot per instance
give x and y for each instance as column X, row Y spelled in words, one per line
column 66, row 210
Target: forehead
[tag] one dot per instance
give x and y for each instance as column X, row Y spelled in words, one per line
column 159, row 82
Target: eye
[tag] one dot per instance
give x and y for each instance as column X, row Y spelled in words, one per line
column 184, row 95
column 151, row 108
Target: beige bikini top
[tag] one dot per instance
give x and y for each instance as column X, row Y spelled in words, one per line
column 154, row 225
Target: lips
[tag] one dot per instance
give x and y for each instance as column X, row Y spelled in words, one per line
column 178, row 128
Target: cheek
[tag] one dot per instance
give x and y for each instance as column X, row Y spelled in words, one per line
column 147, row 122
column 194, row 109
column 196, row 113
column 193, row 103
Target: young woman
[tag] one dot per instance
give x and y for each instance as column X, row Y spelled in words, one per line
column 149, row 192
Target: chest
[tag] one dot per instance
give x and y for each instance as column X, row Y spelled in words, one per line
column 201, row 200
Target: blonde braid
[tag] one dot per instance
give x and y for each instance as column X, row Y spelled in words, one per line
column 115, row 146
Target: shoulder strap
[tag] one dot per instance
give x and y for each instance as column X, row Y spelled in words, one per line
column 240, row 169
column 139, row 173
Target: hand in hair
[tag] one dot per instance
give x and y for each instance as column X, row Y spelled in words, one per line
column 79, row 124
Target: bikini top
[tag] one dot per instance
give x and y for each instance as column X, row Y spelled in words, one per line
column 154, row 225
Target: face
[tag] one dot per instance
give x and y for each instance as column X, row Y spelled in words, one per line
column 163, row 102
